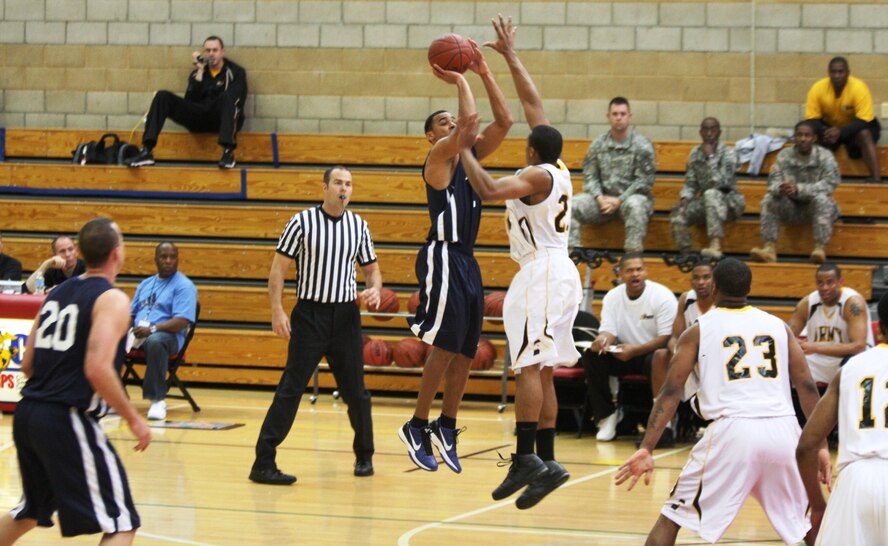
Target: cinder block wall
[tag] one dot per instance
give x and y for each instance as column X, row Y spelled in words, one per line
column 360, row 66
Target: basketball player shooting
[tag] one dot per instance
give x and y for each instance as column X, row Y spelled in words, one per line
column 451, row 307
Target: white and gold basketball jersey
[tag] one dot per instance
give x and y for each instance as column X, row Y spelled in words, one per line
column 742, row 364
column 827, row 325
column 544, row 225
column 863, row 407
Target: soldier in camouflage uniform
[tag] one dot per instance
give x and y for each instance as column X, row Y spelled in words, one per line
column 710, row 194
column 800, row 189
column 619, row 173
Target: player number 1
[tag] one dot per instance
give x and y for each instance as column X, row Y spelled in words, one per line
column 867, row 420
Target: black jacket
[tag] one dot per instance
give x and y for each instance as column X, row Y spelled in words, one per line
column 231, row 79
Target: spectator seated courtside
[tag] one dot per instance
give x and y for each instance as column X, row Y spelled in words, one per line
column 163, row 310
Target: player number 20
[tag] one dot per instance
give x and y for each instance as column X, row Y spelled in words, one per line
column 61, row 338
column 769, row 355
column 867, row 419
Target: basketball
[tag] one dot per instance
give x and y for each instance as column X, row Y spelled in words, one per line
column 388, row 303
column 493, row 304
column 365, row 339
column 377, row 353
column 484, row 356
column 413, row 302
column 409, row 353
column 451, row 52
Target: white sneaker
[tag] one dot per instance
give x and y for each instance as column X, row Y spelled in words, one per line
column 157, row 411
column 607, row 427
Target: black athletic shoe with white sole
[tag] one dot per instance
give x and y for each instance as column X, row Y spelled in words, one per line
column 143, row 159
column 227, row 160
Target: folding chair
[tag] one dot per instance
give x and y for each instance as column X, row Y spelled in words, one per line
column 137, row 356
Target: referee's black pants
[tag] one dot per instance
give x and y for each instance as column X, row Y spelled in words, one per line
column 319, row 329
column 224, row 116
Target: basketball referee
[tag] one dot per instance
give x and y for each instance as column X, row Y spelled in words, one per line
column 324, row 241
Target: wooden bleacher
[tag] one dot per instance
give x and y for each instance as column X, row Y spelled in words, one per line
column 366, row 150
column 226, row 223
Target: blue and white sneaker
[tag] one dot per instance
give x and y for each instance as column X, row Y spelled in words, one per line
column 419, row 446
column 445, row 440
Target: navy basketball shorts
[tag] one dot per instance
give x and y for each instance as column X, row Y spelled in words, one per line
column 68, row 465
column 451, row 299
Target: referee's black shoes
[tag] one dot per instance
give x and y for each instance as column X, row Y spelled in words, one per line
column 271, row 476
column 363, row 468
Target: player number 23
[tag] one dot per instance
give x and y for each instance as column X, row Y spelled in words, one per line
column 769, row 357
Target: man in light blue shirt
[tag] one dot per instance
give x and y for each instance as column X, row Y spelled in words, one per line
column 163, row 308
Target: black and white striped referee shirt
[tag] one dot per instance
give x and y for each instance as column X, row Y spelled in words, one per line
column 325, row 250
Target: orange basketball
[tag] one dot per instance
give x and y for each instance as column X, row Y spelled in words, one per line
column 377, row 353
column 388, row 303
column 484, row 356
column 451, row 52
column 413, row 302
column 493, row 304
column 409, row 353
column 365, row 339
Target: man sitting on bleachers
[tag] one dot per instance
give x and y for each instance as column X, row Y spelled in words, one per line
column 163, row 308
column 214, row 102
column 618, row 173
column 710, row 195
column 636, row 320
column 842, row 106
column 64, row 264
column 800, row 190
column 10, row 268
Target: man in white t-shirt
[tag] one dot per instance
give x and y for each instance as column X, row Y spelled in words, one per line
column 636, row 320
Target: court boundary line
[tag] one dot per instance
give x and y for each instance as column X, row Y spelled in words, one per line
column 404, row 539
column 175, row 540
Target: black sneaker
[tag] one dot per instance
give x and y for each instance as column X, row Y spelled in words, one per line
column 363, row 468
column 542, row 486
column 142, row 159
column 523, row 470
column 271, row 476
column 227, row 161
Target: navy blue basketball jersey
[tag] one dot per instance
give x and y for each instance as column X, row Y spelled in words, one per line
column 455, row 212
column 60, row 345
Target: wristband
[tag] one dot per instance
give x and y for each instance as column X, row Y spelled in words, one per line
column 152, row 328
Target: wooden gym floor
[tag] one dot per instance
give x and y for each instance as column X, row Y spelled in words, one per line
column 191, row 486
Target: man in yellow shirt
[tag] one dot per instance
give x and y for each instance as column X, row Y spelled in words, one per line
column 843, row 106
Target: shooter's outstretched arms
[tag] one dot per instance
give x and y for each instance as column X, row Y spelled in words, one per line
column 496, row 132
column 438, row 168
